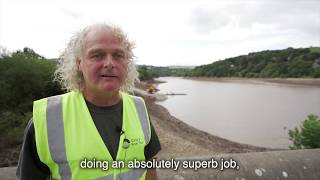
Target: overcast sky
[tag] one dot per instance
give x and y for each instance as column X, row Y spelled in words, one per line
column 175, row 32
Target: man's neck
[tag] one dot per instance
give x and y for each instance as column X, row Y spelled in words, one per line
column 102, row 99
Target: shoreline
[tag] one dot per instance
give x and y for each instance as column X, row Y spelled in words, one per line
column 179, row 139
column 309, row 82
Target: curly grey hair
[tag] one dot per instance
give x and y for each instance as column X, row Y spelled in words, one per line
column 67, row 72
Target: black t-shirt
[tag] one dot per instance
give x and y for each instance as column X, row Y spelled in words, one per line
column 107, row 120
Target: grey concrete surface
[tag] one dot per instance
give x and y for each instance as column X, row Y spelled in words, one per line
column 273, row 165
column 8, row 173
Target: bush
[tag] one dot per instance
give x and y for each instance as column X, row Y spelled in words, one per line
column 308, row 136
column 24, row 77
column 12, row 127
column 144, row 73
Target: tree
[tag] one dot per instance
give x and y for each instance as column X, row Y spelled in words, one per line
column 25, row 77
column 300, row 68
column 308, row 136
column 3, row 51
column 267, row 64
column 144, row 73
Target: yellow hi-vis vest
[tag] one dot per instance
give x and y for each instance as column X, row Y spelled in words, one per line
column 66, row 136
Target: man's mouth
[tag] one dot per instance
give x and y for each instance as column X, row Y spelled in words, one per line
column 108, row 76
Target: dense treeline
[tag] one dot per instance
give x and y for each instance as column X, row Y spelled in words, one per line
column 287, row 63
column 304, row 62
column 150, row 72
column 25, row 76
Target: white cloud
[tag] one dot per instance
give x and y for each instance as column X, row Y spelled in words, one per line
column 205, row 20
column 166, row 32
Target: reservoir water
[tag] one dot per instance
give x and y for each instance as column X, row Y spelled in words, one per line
column 250, row 112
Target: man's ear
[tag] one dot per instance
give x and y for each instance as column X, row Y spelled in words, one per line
column 78, row 61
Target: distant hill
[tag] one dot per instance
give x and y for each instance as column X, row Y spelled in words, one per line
column 147, row 72
column 181, row 67
column 290, row 62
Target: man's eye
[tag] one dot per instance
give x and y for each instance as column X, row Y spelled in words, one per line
column 97, row 56
column 118, row 56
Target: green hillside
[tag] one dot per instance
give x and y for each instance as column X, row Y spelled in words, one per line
column 290, row 62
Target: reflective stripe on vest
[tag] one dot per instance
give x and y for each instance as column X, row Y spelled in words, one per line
column 110, row 177
column 57, row 145
column 144, row 119
column 133, row 174
column 56, row 135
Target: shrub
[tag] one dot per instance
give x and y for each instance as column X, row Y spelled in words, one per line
column 12, row 127
column 308, row 136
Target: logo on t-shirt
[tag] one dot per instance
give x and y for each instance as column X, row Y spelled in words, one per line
column 136, row 141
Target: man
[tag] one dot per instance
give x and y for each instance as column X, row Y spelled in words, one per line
column 97, row 121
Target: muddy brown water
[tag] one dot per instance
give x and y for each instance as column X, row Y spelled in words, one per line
column 247, row 111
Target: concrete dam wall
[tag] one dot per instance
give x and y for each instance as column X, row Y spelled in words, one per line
column 273, row 165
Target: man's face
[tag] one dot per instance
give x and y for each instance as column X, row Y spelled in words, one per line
column 103, row 63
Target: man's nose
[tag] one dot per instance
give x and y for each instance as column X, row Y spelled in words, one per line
column 108, row 61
